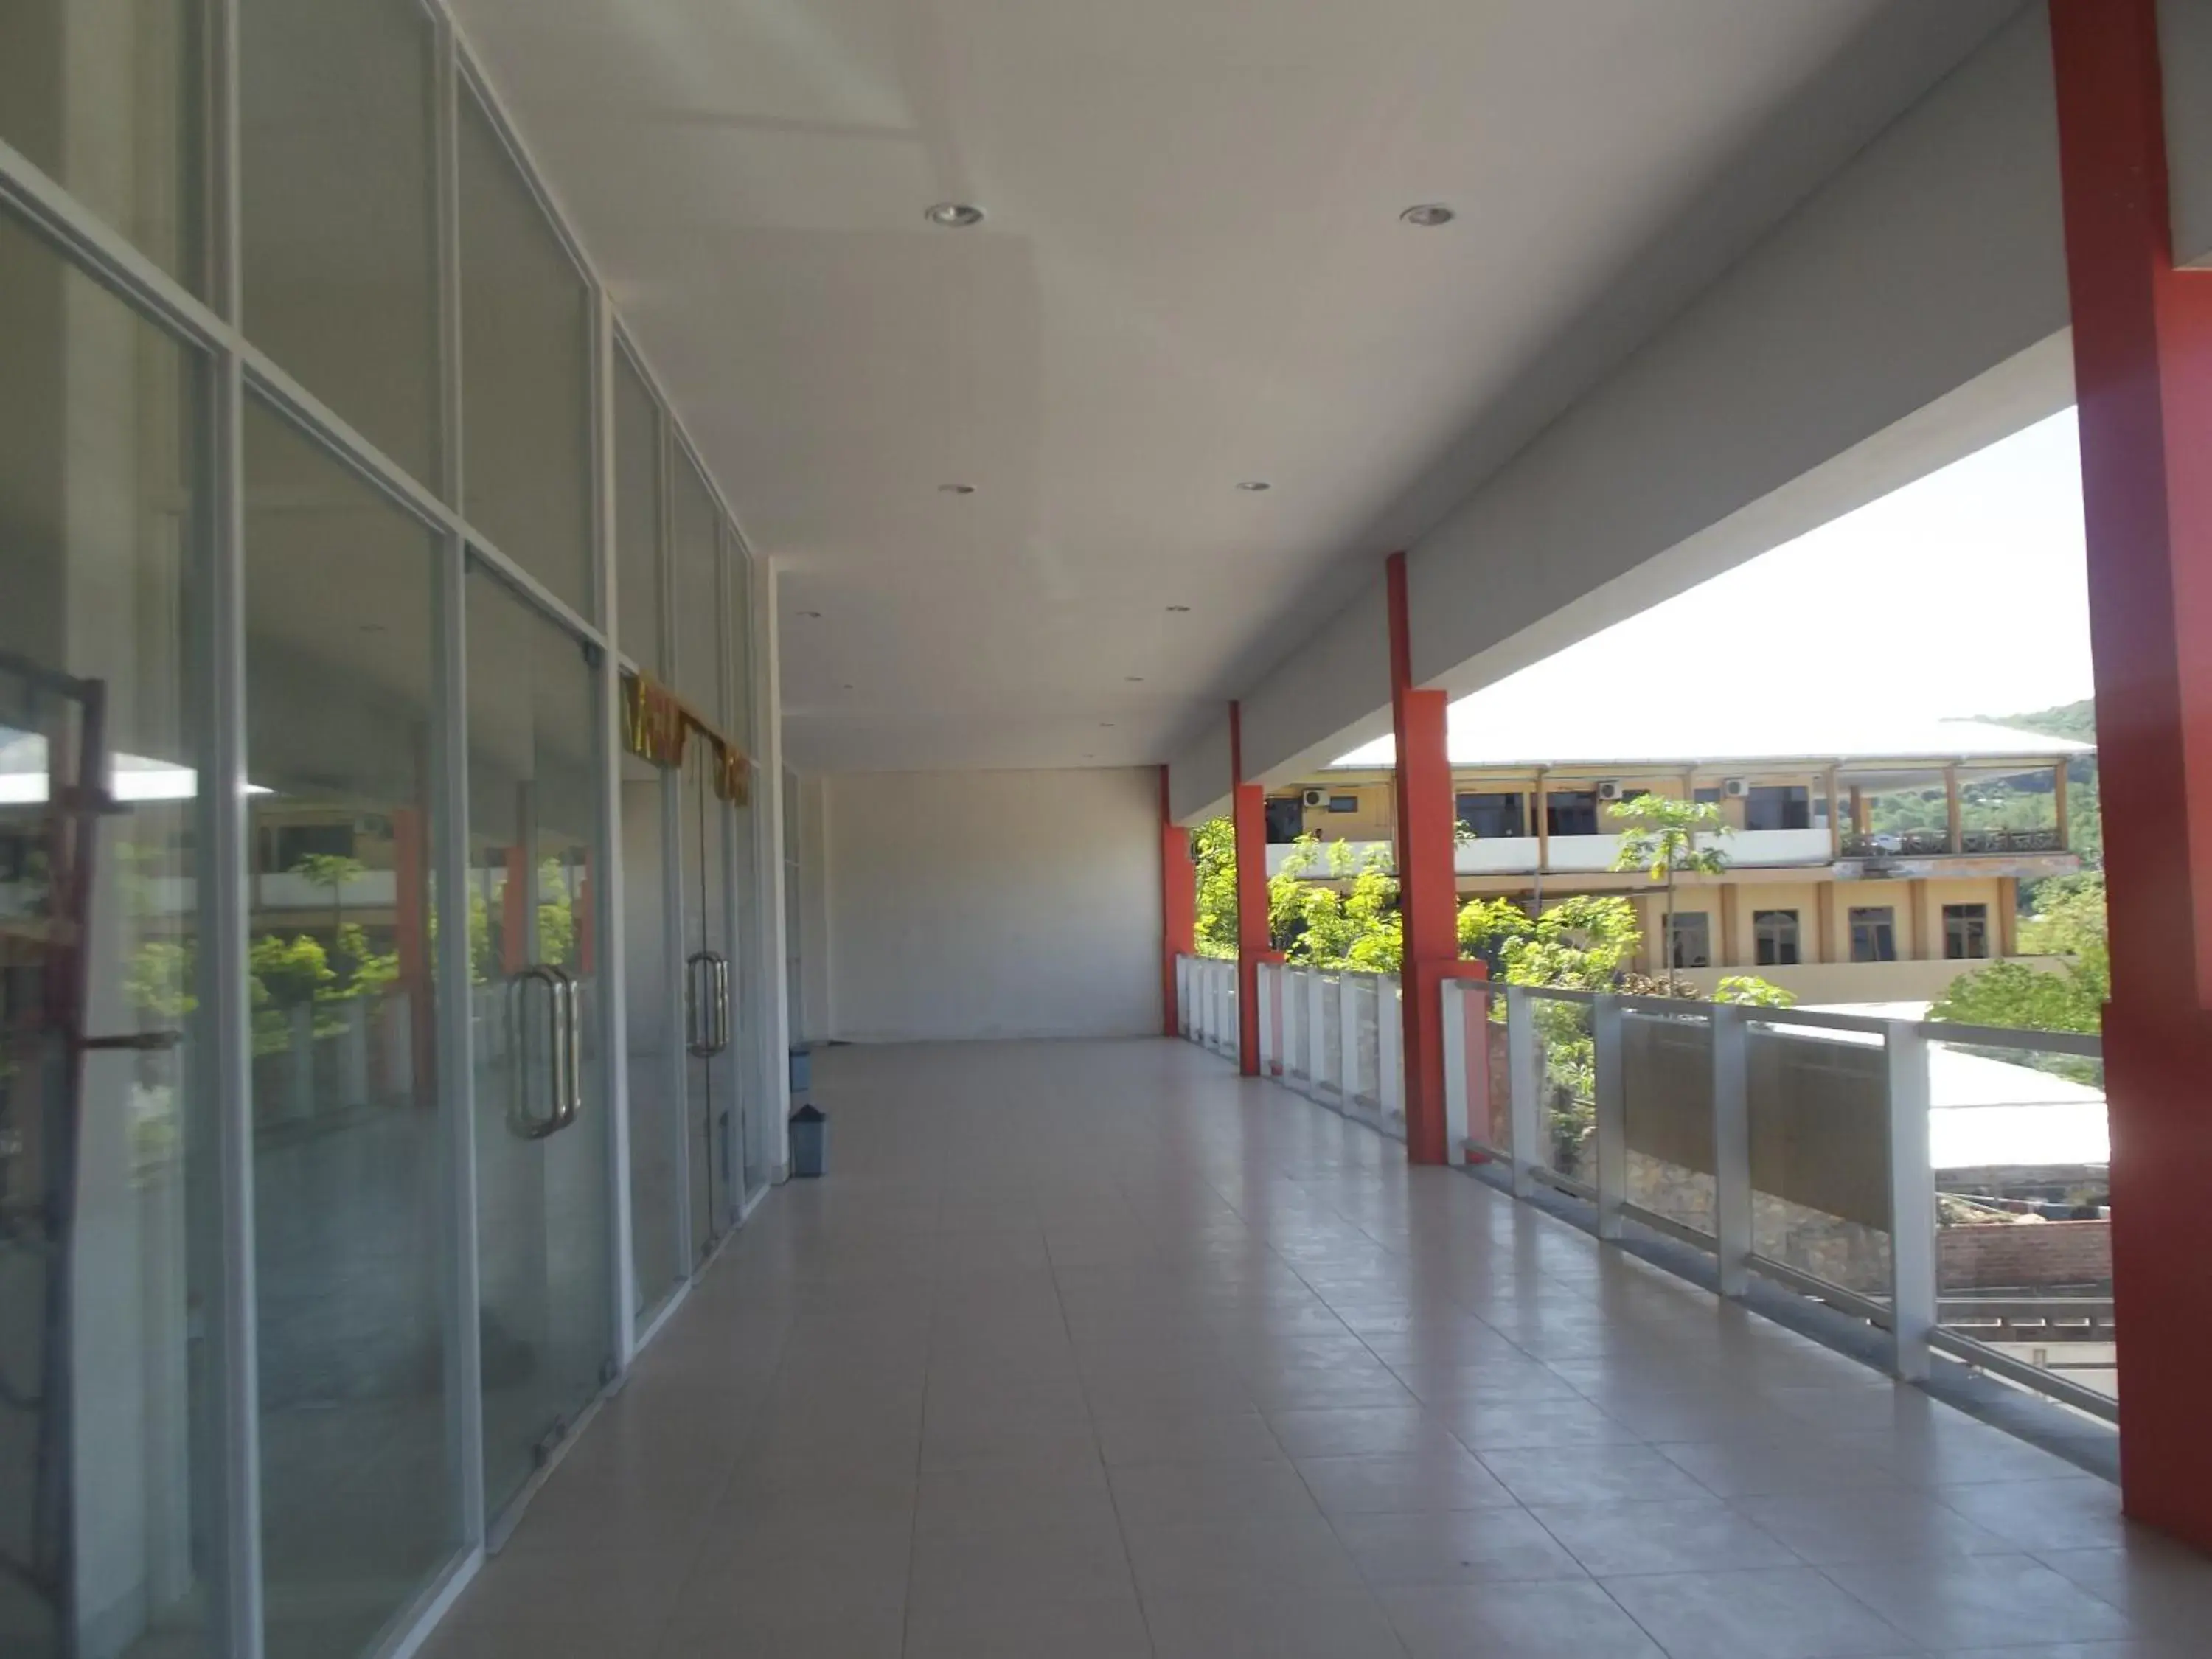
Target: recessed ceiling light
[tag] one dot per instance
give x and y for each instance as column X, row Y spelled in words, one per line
column 956, row 489
column 811, row 615
column 1134, row 680
column 848, row 685
column 955, row 215
column 1178, row 609
column 1255, row 485
column 1429, row 215
column 1105, row 725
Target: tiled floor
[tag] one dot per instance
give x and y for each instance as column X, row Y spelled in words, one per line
column 1087, row 1350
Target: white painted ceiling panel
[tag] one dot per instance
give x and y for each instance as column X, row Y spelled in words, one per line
column 1193, row 274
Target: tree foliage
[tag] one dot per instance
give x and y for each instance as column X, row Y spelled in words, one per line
column 2071, row 925
column 1213, row 852
column 1660, row 836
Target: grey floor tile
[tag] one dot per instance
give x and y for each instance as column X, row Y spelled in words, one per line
column 1560, row 1619
column 1415, row 1485
column 1274, row 1623
column 1771, row 1612
column 1697, row 1535
column 1457, row 1546
column 1980, row 1601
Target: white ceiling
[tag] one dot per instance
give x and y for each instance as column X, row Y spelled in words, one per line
column 1192, row 273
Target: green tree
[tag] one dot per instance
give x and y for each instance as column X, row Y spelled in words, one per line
column 2071, row 998
column 1214, row 854
column 1351, row 919
column 1659, row 836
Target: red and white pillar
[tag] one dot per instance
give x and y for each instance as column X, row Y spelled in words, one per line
column 2143, row 366
column 1249, row 813
column 1427, row 885
column 1178, row 908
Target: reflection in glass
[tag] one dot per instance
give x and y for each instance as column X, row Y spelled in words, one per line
column 637, row 520
column 358, row 1495
column 336, row 153
column 654, row 1009
column 525, row 375
column 105, row 1391
column 695, row 574
column 541, row 1130
column 108, row 98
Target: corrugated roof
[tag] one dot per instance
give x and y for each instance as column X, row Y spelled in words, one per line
column 1654, row 729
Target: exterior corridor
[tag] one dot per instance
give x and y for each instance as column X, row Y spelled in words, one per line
column 1085, row 1351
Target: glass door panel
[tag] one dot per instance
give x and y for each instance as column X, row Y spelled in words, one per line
column 654, row 1014
column 546, row 1316
column 349, row 1138
column 707, row 999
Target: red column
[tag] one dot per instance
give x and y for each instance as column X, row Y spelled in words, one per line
column 1427, row 887
column 2142, row 369
column 1178, row 908
column 1248, row 814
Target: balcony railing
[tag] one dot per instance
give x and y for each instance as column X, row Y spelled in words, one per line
column 1924, row 843
column 1805, row 1148
column 1205, row 1003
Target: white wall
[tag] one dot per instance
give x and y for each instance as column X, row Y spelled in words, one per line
column 815, row 1018
column 994, row 905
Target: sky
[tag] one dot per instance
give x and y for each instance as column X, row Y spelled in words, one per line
column 1959, row 595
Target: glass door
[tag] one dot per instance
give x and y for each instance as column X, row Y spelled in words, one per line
column 546, row 1316
column 708, row 1004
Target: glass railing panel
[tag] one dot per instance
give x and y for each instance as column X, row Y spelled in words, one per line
column 2021, row 1150
column 1819, row 1105
column 1666, row 1073
column 1565, row 1079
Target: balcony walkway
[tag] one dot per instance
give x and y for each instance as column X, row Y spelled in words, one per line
column 1091, row 1350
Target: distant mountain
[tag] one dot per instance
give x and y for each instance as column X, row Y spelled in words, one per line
column 2077, row 721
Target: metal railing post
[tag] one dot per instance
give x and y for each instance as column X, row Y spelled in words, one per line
column 1269, row 985
column 1389, row 1046
column 1524, row 1066
column 1612, row 1114
column 1347, row 1044
column 1731, row 1086
column 1452, row 1008
column 1294, row 1026
column 1316, row 1029
column 1913, row 1289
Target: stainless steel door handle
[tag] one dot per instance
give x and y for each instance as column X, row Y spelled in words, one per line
column 721, row 965
column 519, row 1119
column 569, row 1050
column 698, row 1012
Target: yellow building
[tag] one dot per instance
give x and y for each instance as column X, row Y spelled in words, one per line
column 1871, row 873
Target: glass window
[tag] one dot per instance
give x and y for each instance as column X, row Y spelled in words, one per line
column 1571, row 812
column 525, row 373
column 357, row 1490
column 1344, row 803
column 637, row 519
column 1491, row 814
column 1778, row 806
column 1706, row 797
column 1286, row 819
column 101, row 541
column 1873, row 932
column 108, row 97
column 336, row 154
column 1966, row 932
column 1774, row 938
column 694, row 571
column 1690, row 939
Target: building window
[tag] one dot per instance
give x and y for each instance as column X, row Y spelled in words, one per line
column 1492, row 816
column 1690, row 937
column 1344, row 803
column 1966, row 932
column 289, row 843
column 1774, row 936
column 1571, row 812
column 1286, row 819
column 1707, row 797
column 1873, row 932
column 1778, row 806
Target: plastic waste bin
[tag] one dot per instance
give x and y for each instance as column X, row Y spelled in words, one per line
column 809, row 1141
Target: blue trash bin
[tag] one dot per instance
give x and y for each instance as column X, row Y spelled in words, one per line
column 809, row 1141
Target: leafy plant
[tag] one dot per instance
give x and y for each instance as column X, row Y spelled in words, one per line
column 1659, row 836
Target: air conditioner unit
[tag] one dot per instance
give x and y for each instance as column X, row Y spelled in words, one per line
column 1609, row 789
column 1316, row 798
column 1731, row 786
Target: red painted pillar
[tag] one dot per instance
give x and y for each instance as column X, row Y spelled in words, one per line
column 2142, row 370
column 1427, row 887
column 1178, row 908
column 1249, row 815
